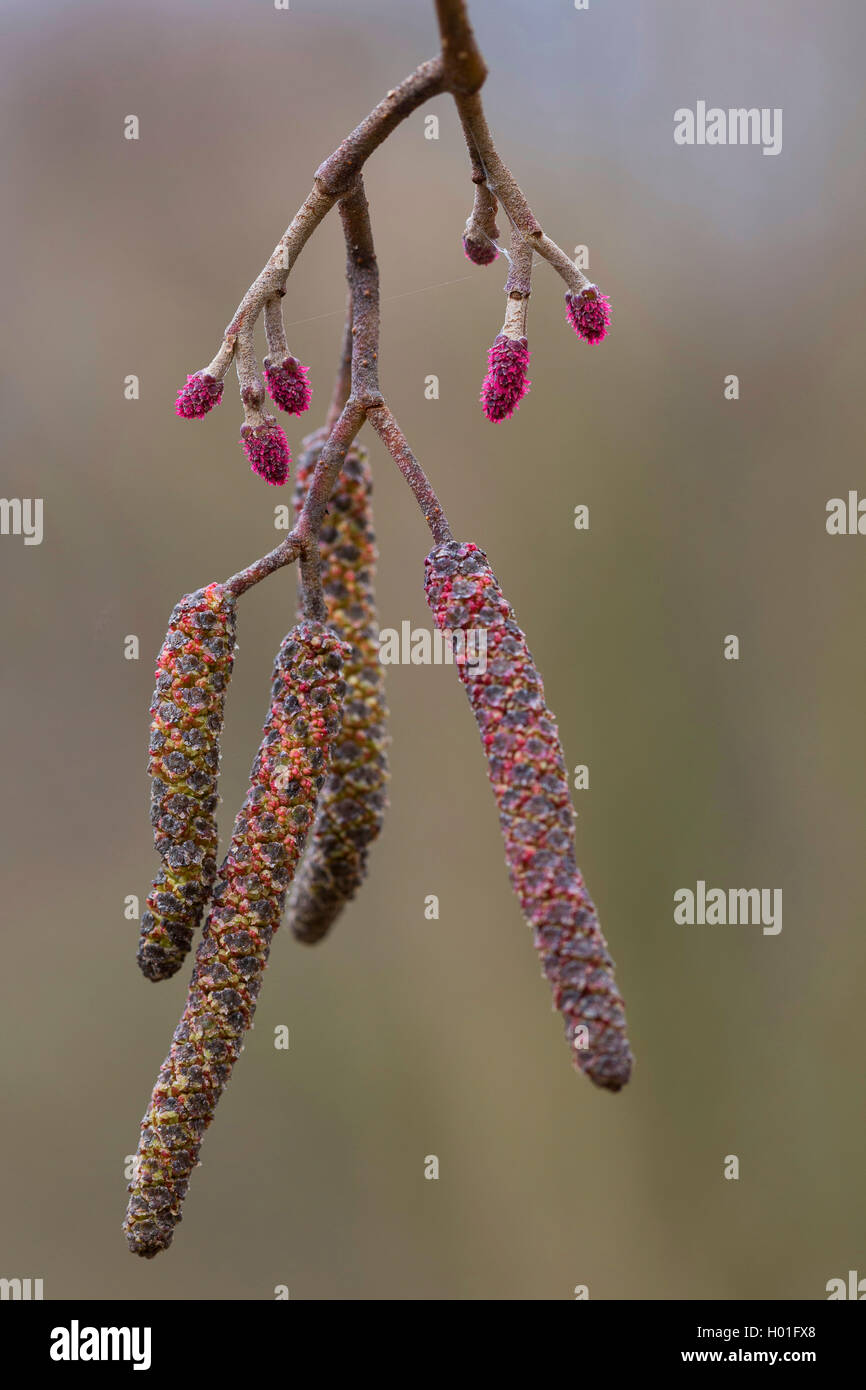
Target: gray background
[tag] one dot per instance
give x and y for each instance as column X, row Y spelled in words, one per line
column 411, row 1037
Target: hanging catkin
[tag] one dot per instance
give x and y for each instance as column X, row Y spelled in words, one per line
column 192, row 672
column 353, row 800
column 268, row 836
column 529, row 778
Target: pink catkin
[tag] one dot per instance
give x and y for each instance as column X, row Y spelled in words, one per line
column 287, row 385
column 200, row 394
column 506, row 382
column 588, row 313
column 530, row 781
column 267, row 449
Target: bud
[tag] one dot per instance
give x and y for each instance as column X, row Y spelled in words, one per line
column 506, row 382
column 588, row 313
column 353, row 801
column 287, row 385
column 192, row 673
column 268, row 836
column 481, row 233
column 479, row 249
column 267, row 449
column 200, row 394
column 527, row 770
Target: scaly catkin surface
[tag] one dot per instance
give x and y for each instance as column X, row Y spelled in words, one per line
column 530, row 782
column 353, row 800
column 193, row 670
column 267, row 840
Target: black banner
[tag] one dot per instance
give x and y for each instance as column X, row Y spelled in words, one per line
column 65, row 1338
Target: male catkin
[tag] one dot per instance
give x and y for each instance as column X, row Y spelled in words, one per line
column 269, row 833
column 353, row 800
column 192, row 673
column 530, row 782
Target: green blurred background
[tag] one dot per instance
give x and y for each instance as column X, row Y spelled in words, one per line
column 412, row 1037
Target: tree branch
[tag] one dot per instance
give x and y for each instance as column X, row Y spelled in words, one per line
column 465, row 69
column 505, row 187
column 362, row 274
column 284, row 554
column 392, row 437
column 333, row 178
column 343, row 382
column 461, row 71
column 327, row 470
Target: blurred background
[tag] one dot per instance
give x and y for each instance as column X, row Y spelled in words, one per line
column 411, row 1037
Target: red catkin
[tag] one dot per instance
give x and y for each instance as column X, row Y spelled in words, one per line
column 199, row 395
column 530, row 781
column 287, row 385
column 588, row 313
column 269, row 833
column 353, row 801
column 267, row 449
column 506, row 382
column 193, row 670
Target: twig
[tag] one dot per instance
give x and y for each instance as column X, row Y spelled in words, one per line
column 326, row 474
column 284, row 554
column 503, row 184
column 465, row 69
column 362, row 274
column 275, row 333
column 518, row 286
column 460, row 70
column 333, row 178
column 343, row 382
column 393, row 438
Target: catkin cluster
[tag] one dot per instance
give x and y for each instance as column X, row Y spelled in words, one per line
column 353, row 800
column 192, row 672
column 530, row 782
column 268, row 836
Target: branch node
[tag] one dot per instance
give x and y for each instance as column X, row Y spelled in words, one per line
column 465, row 69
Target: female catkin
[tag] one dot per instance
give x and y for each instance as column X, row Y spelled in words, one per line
column 353, row 800
column 269, row 833
column 192, row 673
column 530, row 782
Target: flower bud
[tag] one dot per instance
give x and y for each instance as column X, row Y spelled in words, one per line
column 200, row 394
column 481, row 232
column 506, row 382
column 588, row 313
column 479, row 249
column 287, row 385
column 267, row 449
